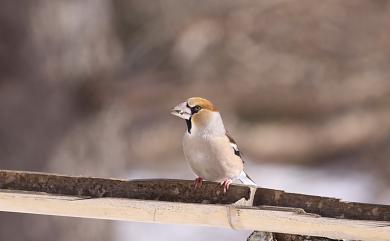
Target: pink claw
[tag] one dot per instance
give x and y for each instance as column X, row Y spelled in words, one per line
column 226, row 183
column 198, row 182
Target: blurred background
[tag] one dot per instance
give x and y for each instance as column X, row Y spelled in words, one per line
column 86, row 88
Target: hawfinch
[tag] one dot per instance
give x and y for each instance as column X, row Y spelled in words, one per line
column 212, row 154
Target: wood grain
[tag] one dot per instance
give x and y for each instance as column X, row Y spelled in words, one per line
column 268, row 219
column 176, row 201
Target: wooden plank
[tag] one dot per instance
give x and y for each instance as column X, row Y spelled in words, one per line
column 265, row 236
column 182, row 191
column 270, row 219
column 152, row 189
column 324, row 206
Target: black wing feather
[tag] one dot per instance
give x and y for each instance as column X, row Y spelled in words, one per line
column 234, row 145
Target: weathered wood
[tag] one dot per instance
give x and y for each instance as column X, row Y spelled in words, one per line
column 323, row 206
column 269, row 219
column 182, row 191
column 261, row 236
column 291, row 237
column 151, row 189
column 265, row 236
column 275, row 211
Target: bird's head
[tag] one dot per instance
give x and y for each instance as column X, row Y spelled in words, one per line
column 197, row 112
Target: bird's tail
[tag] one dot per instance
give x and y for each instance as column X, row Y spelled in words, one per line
column 245, row 179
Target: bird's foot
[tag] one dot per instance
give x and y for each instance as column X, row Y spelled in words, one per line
column 226, row 183
column 198, row 182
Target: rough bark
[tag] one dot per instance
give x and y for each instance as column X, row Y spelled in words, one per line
column 265, row 236
column 183, row 191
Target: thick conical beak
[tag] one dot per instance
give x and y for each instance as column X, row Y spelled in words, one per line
column 182, row 111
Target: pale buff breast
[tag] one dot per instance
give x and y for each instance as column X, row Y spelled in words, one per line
column 211, row 157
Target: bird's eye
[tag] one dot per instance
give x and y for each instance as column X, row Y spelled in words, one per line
column 195, row 109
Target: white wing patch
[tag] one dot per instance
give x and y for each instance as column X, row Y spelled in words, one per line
column 234, row 145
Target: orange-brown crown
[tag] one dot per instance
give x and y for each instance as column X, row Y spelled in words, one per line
column 203, row 103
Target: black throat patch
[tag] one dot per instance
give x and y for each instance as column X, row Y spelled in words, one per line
column 189, row 125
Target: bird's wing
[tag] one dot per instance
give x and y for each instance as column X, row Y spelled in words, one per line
column 244, row 178
column 234, row 145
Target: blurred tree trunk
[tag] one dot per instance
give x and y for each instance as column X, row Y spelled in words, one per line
column 49, row 50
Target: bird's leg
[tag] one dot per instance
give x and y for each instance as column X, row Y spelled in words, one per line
column 226, row 183
column 198, row 182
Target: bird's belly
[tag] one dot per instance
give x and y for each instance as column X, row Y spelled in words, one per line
column 202, row 161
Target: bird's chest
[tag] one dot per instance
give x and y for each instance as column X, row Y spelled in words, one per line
column 197, row 150
column 200, row 155
column 211, row 157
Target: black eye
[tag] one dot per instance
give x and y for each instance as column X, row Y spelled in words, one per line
column 195, row 109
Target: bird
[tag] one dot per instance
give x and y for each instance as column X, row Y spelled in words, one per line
column 211, row 152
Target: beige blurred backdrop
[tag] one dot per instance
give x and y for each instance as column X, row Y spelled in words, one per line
column 86, row 88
